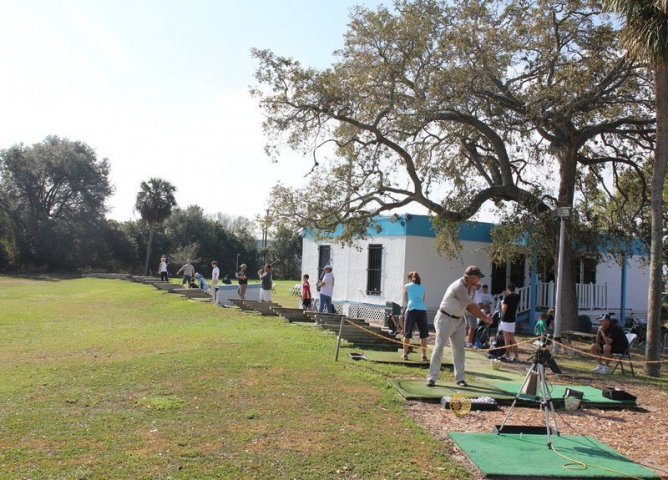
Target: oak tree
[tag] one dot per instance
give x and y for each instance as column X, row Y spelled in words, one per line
column 454, row 105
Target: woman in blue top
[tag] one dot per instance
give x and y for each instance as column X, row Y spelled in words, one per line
column 415, row 313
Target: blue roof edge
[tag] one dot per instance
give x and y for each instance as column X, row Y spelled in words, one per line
column 417, row 226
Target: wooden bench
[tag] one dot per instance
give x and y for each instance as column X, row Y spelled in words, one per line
column 192, row 293
column 292, row 314
column 569, row 335
column 263, row 308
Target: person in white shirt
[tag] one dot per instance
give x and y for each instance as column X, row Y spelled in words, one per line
column 163, row 269
column 266, row 283
column 326, row 291
column 215, row 273
column 484, row 299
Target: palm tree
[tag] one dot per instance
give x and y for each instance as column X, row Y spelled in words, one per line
column 645, row 35
column 155, row 201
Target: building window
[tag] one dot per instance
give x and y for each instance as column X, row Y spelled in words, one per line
column 374, row 269
column 324, row 259
column 587, row 271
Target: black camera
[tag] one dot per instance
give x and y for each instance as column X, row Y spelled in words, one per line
column 543, row 356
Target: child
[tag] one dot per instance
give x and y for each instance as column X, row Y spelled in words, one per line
column 541, row 326
column 306, row 294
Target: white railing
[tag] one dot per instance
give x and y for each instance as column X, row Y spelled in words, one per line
column 591, row 296
column 525, row 299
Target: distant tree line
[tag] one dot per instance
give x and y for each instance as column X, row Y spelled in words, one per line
column 53, row 219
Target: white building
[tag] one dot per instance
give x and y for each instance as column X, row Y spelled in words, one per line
column 374, row 270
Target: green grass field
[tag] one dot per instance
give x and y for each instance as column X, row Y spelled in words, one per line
column 109, row 379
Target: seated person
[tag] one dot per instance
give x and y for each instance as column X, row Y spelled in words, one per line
column 396, row 323
column 202, row 282
column 610, row 338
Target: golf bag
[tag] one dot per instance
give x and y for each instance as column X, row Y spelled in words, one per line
column 481, row 335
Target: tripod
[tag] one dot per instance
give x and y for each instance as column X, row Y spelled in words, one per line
column 535, row 380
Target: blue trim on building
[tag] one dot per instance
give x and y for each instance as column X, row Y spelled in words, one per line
column 417, row 226
column 421, row 226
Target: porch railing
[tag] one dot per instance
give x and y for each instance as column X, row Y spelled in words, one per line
column 590, row 296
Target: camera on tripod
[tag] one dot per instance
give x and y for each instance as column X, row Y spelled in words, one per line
column 543, row 356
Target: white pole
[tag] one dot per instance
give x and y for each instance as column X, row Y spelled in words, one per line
column 237, row 262
column 560, row 286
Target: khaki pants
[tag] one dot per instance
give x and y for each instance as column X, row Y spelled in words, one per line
column 452, row 330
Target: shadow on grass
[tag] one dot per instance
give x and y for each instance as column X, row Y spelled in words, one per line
column 38, row 277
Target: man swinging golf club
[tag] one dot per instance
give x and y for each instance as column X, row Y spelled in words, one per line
column 450, row 323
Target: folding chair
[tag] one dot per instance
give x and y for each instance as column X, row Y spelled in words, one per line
column 620, row 357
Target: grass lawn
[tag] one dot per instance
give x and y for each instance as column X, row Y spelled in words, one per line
column 110, row 379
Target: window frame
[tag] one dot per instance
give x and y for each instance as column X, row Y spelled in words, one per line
column 374, row 272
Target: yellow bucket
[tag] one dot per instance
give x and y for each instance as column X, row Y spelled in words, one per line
column 495, row 364
column 571, row 403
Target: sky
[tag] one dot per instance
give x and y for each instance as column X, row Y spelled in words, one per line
column 160, row 88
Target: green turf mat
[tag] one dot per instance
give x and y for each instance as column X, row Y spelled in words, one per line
column 418, row 390
column 476, row 364
column 592, row 396
column 395, row 357
column 527, row 456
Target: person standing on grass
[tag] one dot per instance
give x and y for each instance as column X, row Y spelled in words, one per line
column 162, row 268
column 610, row 338
column 415, row 314
column 188, row 273
column 541, row 327
column 266, row 284
column 326, row 291
column 215, row 273
column 508, row 320
column 242, row 277
column 450, row 324
column 306, row 294
column 549, row 321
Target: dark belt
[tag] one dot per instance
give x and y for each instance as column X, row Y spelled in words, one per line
column 451, row 316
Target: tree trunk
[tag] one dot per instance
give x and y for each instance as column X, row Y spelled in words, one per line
column 569, row 301
column 568, row 310
column 148, row 248
column 653, row 347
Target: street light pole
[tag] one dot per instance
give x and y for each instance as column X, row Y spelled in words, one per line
column 563, row 213
column 237, row 262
